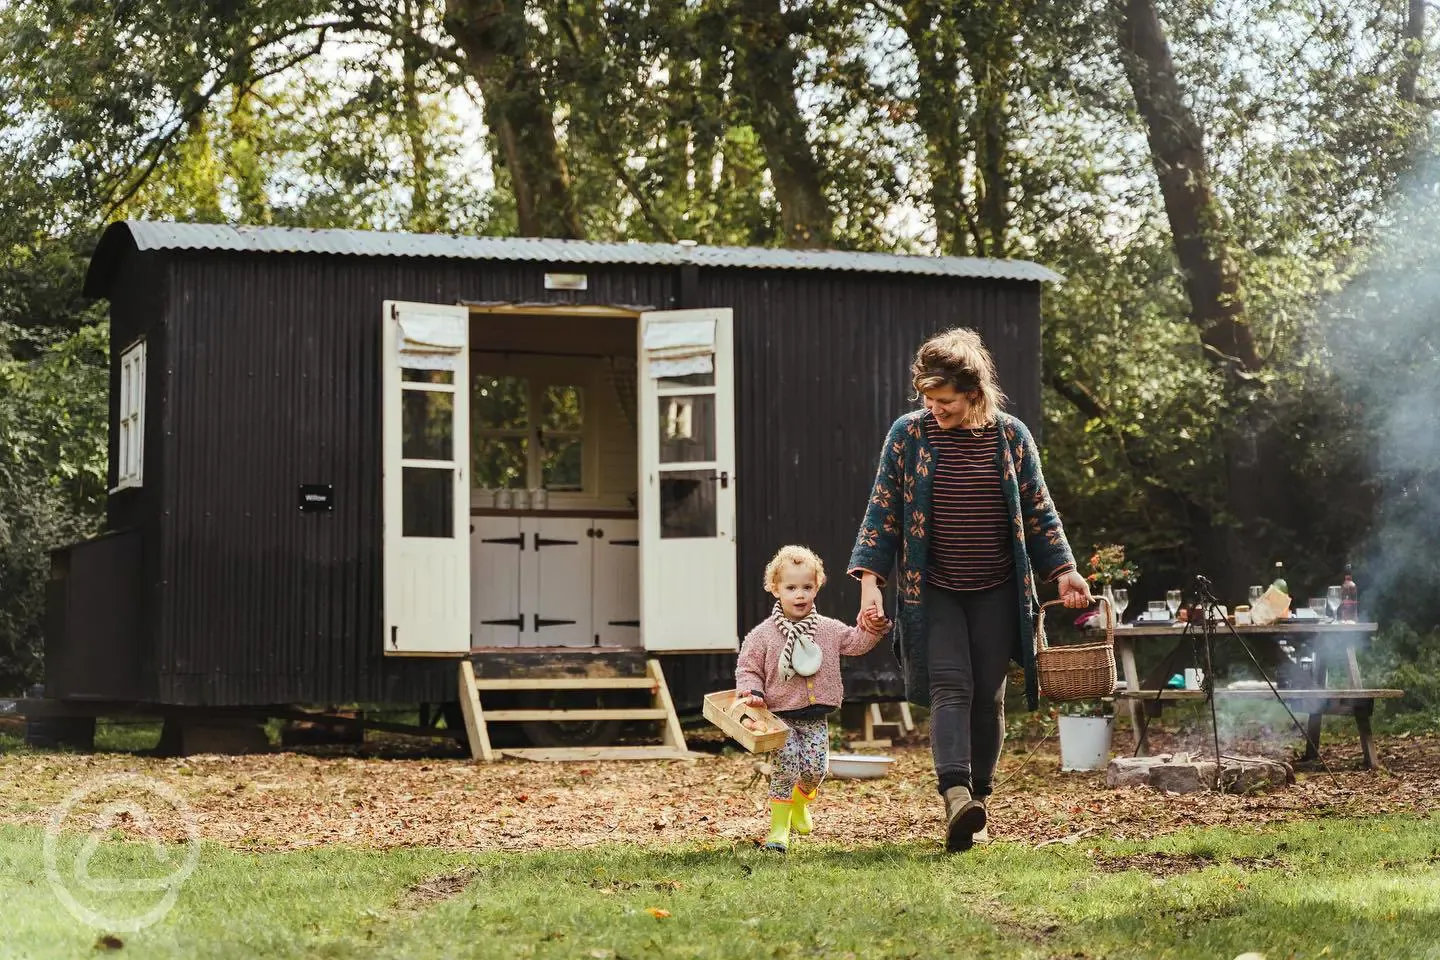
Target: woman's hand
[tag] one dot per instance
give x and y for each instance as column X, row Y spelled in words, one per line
column 750, row 699
column 870, row 596
column 1075, row 591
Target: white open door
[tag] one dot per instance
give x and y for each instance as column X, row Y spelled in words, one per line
column 686, row 398
column 426, row 452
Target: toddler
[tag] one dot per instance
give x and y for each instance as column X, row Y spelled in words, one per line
column 791, row 664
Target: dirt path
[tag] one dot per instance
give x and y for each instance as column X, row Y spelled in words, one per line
column 295, row 800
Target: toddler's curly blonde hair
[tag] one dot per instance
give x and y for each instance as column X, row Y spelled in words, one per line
column 793, row 555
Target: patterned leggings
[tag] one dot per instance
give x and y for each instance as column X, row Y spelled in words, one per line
column 802, row 760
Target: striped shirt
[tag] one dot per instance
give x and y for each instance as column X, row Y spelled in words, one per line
column 970, row 533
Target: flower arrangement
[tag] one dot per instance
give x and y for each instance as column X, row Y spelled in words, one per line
column 1108, row 566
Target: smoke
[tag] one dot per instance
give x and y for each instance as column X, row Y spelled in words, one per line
column 1382, row 337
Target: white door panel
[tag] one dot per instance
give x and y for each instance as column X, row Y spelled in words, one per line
column 617, row 582
column 495, row 549
column 560, row 617
column 425, row 459
column 686, row 398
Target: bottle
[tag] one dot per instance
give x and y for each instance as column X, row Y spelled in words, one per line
column 1349, row 598
column 1279, row 582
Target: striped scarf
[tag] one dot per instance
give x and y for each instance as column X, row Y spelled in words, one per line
column 806, row 660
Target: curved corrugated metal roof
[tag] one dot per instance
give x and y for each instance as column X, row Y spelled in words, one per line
column 159, row 235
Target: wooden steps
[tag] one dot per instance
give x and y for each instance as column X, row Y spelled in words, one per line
column 661, row 710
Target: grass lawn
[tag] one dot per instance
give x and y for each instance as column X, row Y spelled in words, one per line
column 1332, row 888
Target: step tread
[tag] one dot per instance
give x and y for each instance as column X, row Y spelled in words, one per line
column 565, row 683
column 601, row 753
column 580, row 713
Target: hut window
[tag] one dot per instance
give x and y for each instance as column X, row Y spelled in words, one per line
column 530, row 422
column 500, row 416
column 562, row 438
column 131, row 442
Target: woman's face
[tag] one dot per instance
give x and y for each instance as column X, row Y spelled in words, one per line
column 949, row 406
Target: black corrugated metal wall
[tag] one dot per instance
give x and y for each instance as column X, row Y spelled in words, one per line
column 822, row 370
column 274, row 371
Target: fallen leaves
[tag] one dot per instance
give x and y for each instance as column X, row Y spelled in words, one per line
column 301, row 800
column 657, row 913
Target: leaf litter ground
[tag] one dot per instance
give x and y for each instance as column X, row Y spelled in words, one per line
column 394, row 793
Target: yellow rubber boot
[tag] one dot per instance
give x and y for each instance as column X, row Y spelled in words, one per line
column 778, row 839
column 800, row 810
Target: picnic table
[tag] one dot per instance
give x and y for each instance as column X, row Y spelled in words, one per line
column 1330, row 643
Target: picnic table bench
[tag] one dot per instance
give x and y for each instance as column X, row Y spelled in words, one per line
column 1146, row 697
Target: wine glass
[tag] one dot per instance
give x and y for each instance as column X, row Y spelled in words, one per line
column 1317, row 606
column 1122, row 600
column 1172, row 600
column 1332, row 601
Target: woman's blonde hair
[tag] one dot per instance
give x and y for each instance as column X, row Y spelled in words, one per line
column 793, row 556
column 958, row 359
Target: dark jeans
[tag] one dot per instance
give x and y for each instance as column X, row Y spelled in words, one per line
column 973, row 637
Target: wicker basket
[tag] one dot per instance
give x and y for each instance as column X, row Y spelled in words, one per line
column 1081, row 671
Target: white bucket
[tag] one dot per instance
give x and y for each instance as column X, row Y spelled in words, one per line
column 1084, row 743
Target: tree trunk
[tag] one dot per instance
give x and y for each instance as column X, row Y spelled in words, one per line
column 1177, row 150
column 246, row 164
column 939, row 112
column 496, row 39
column 1408, row 86
column 765, row 74
column 989, row 53
column 421, row 216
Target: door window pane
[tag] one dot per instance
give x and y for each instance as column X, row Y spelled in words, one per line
column 689, row 380
column 500, row 463
column 427, row 419
column 427, row 502
column 500, row 403
column 687, row 504
column 427, row 376
column 687, row 429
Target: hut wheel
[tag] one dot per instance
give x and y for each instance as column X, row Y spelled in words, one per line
column 579, row 733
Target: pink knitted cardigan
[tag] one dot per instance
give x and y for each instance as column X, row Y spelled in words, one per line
column 759, row 664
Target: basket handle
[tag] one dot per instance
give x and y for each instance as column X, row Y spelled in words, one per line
column 1041, row 641
column 735, row 709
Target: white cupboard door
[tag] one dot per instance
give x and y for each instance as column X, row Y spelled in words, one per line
column 495, row 547
column 617, row 582
column 560, row 613
column 685, row 387
column 425, row 454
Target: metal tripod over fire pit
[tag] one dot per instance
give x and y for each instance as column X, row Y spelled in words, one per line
column 1204, row 589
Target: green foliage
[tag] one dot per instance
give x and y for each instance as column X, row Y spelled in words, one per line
column 53, row 414
column 1404, row 659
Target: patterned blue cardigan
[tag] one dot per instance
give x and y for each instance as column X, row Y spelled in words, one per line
column 897, row 521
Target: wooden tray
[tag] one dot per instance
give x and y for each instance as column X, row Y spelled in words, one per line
column 723, row 709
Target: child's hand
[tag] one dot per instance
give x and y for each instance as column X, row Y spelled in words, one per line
column 871, row 621
column 750, row 699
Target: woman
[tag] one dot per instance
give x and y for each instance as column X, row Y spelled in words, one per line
column 960, row 503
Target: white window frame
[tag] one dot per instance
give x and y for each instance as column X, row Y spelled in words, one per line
column 130, row 428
